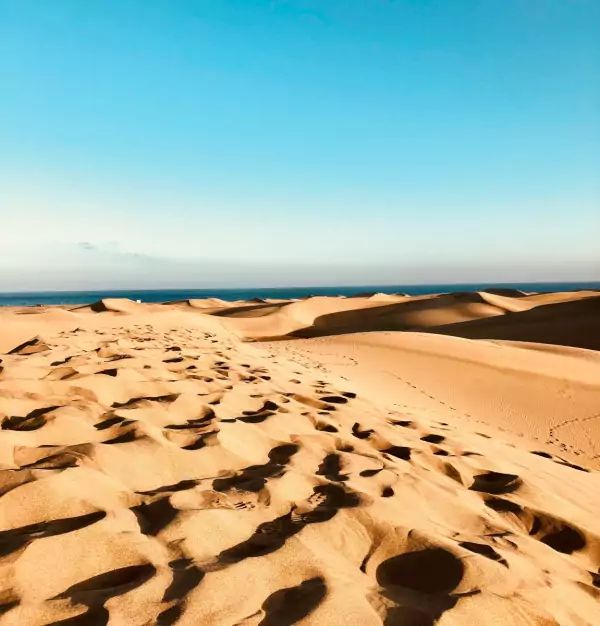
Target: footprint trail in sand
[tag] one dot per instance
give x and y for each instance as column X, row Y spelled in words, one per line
column 156, row 472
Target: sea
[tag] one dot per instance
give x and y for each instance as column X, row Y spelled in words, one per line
column 165, row 295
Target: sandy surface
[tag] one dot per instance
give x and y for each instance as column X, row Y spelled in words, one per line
column 388, row 460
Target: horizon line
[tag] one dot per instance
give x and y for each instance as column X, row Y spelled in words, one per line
column 441, row 284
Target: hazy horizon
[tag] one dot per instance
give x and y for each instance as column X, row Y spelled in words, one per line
column 344, row 287
column 72, row 270
column 273, row 143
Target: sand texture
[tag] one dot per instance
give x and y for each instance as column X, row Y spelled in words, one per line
column 381, row 459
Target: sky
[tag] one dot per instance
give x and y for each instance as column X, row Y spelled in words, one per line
column 239, row 143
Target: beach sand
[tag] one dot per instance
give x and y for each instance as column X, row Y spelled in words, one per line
column 381, row 459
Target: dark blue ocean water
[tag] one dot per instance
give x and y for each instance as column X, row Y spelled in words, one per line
column 164, row 295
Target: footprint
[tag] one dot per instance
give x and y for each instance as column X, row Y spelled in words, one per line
column 557, row 534
column 153, row 517
column 126, row 437
column 268, row 405
column 370, row 472
column 271, row 536
column 419, row 583
column 109, row 372
column 256, row 418
column 98, row 589
column 254, row 478
column 32, row 421
column 288, row 606
column 324, row 427
column 65, row 360
column 484, row 550
column 11, row 540
column 202, row 441
column 330, row 468
column 553, row 532
column 400, row 452
column 361, row 434
column 495, row 483
column 133, row 402
column 541, row 453
column 428, row 571
column 433, row 438
column 182, row 485
column 186, row 576
column 334, row 399
column 58, row 461
column 503, row 506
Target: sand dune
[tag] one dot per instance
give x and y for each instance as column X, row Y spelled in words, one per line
column 267, row 320
column 545, row 323
column 539, row 396
column 571, row 319
column 157, row 468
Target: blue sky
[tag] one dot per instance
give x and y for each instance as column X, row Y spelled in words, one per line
column 172, row 143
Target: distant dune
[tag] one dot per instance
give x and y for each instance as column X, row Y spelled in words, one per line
column 570, row 323
column 571, row 319
column 166, row 464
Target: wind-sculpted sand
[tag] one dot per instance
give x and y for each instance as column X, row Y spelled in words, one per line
column 161, row 466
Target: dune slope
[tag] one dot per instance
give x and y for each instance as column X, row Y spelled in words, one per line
column 156, row 469
column 568, row 323
column 571, row 319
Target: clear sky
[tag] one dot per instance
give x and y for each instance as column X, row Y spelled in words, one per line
column 173, row 143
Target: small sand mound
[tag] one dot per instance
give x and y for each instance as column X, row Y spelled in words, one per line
column 206, row 303
column 32, row 346
column 115, row 305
